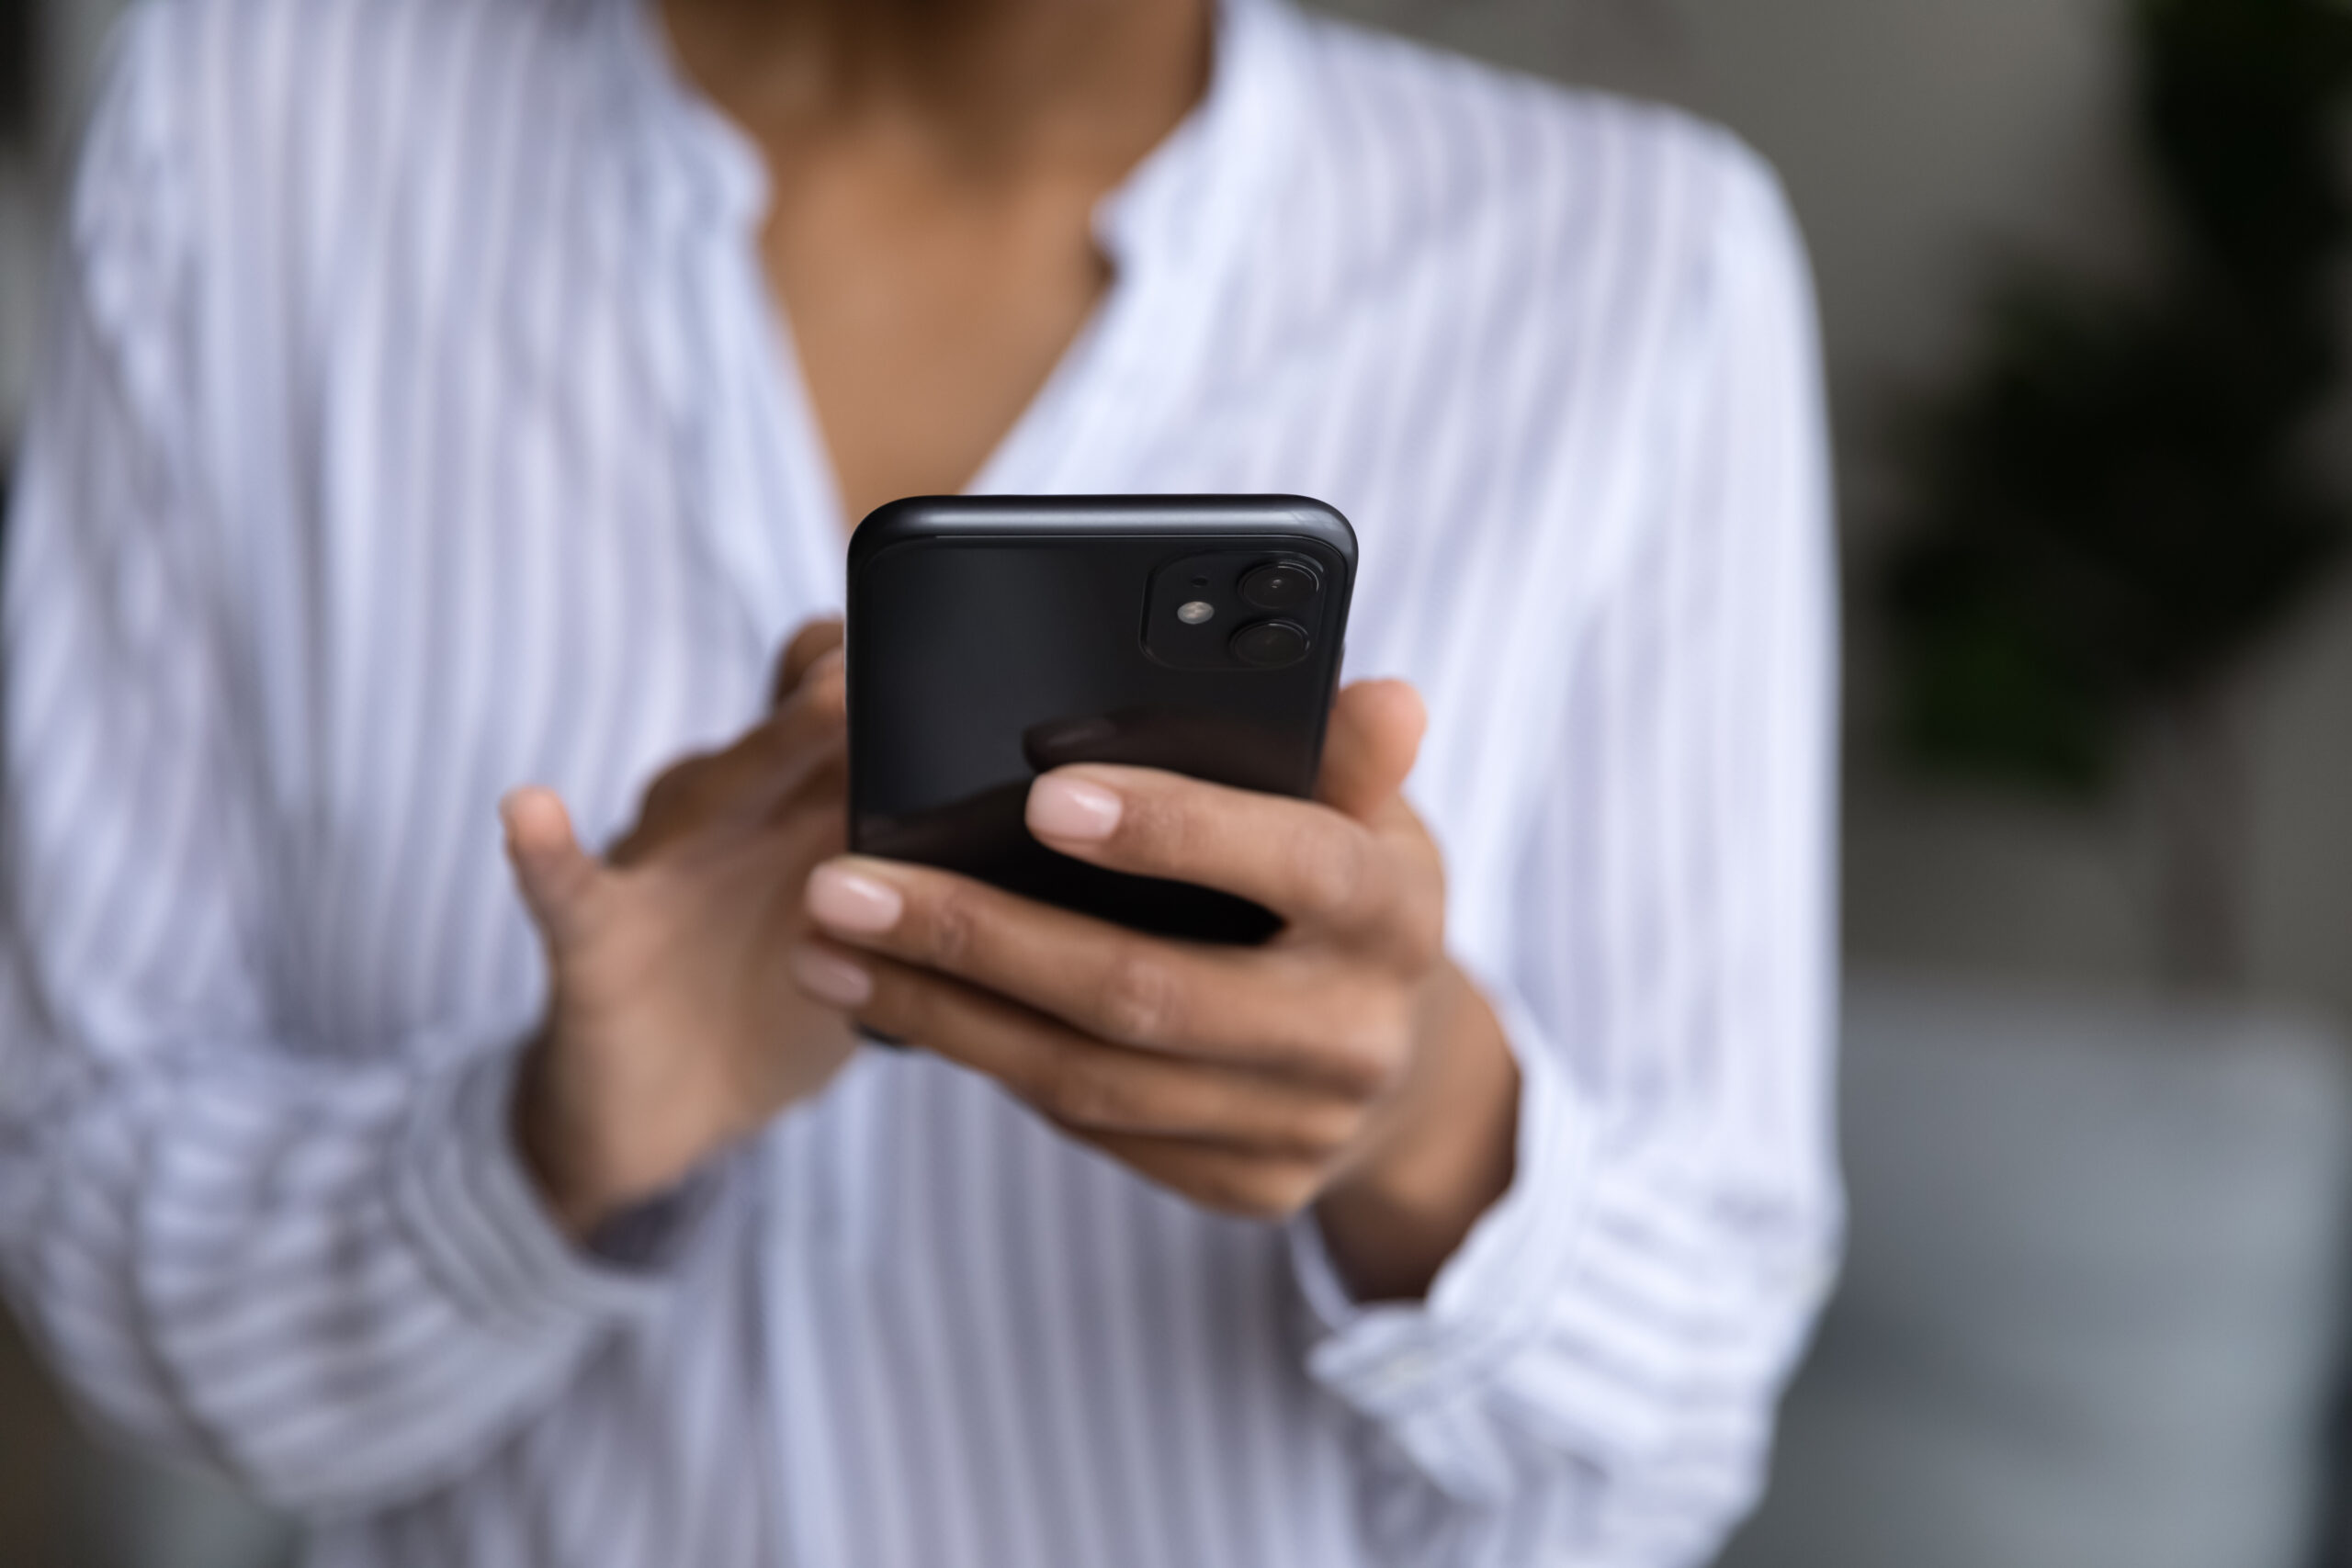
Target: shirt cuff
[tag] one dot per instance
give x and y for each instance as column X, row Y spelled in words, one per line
column 461, row 1194
column 648, row 1238
column 1422, row 1370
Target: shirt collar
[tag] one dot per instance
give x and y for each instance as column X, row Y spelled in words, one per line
column 1193, row 193
column 1178, row 209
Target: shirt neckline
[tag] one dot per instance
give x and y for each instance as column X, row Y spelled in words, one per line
column 1172, row 229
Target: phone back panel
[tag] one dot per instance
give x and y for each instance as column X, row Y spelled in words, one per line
column 993, row 638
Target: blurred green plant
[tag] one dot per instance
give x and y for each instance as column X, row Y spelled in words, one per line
column 2119, row 502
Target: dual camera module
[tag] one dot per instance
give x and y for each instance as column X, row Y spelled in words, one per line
column 1231, row 609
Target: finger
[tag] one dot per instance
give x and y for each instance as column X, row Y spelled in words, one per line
column 824, row 785
column 1307, row 863
column 808, row 726
column 810, row 643
column 1369, row 750
column 1084, row 1085
column 1285, row 1013
column 1249, row 1184
column 752, row 780
column 556, row 875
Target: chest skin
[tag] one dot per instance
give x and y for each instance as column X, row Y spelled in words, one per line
column 930, row 247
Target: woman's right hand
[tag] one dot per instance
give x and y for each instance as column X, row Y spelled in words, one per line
column 675, row 1027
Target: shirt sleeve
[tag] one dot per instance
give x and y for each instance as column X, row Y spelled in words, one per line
column 1597, row 1366
column 313, row 1265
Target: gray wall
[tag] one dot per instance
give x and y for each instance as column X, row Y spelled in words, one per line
column 1918, row 138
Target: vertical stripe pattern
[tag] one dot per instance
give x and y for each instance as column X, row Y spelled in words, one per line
column 416, row 425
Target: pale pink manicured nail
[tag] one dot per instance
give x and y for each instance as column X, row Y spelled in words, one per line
column 1070, row 808
column 832, row 979
column 845, row 901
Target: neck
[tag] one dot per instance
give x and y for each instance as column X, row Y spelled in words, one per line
column 986, row 83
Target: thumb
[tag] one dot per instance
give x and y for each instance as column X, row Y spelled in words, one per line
column 554, row 873
column 1375, row 734
column 810, row 643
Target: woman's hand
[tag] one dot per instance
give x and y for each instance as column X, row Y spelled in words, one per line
column 674, row 1028
column 1348, row 1065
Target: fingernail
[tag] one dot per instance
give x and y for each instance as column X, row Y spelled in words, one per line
column 831, row 980
column 1071, row 808
column 845, row 901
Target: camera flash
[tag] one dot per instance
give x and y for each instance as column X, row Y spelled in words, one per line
column 1196, row 612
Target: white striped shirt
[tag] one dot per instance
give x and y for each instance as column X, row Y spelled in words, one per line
column 418, row 424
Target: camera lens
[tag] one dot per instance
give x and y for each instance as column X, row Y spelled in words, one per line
column 1270, row 645
column 1284, row 585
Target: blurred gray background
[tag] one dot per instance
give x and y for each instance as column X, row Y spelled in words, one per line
column 2093, row 1313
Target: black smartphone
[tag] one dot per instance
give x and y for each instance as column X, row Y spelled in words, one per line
column 992, row 638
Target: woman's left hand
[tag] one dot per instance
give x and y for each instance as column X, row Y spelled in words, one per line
column 1348, row 1065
